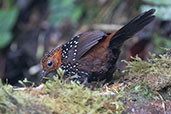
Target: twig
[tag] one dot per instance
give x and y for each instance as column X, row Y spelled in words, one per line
column 103, row 27
column 40, row 87
column 102, row 12
column 163, row 102
column 106, row 27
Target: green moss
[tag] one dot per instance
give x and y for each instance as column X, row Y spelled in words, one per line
column 59, row 97
column 19, row 102
column 75, row 98
column 155, row 72
column 143, row 91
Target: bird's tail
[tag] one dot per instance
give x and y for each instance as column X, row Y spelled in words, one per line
column 135, row 25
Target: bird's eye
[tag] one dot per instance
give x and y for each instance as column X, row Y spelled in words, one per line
column 50, row 63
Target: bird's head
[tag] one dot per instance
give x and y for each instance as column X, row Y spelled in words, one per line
column 51, row 62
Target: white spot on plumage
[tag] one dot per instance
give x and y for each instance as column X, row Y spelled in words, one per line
column 82, row 72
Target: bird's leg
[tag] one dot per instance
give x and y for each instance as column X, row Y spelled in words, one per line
column 85, row 81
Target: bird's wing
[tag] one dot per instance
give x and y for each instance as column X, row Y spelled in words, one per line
column 87, row 40
column 82, row 43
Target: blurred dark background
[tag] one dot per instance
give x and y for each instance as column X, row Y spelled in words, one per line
column 29, row 28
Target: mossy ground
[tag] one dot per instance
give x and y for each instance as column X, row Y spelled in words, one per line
column 155, row 72
column 143, row 81
column 57, row 97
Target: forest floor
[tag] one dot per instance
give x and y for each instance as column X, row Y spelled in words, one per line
column 145, row 87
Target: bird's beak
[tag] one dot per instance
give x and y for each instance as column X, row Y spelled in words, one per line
column 44, row 73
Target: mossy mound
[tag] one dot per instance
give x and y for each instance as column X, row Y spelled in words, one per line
column 155, row 72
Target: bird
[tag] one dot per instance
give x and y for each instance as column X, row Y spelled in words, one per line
column 92, row 55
